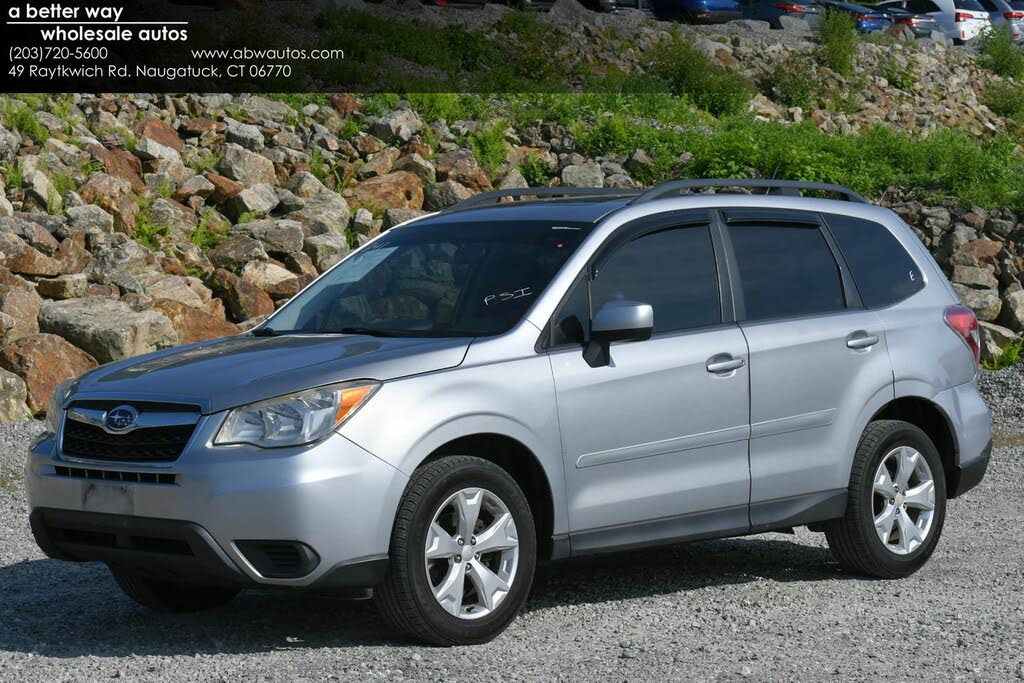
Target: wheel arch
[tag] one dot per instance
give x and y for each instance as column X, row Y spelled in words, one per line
column 523, row 466
column 931, row 419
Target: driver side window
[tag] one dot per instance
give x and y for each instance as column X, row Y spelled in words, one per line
column 673, row 270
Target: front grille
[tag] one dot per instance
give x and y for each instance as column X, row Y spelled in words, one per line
column 144, row 444
column 113, row 475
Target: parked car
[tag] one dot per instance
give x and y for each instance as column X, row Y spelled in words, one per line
column 961, row 20
column 921, row 25
column 503, row 383
column 867, row 20
column 1006, row 15
column 772, row 10
column 696, row 11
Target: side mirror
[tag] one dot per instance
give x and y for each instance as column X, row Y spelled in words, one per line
column 617, row 321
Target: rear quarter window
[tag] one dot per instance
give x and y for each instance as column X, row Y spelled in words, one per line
column 882, row 269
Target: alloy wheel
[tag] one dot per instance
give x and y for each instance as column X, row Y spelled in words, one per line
column 471, row 553
column 903, row 500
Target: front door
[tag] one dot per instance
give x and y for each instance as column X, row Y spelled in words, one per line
column 655, row 443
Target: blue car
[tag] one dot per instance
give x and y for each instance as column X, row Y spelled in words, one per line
column 697, row 11
column 868, row 20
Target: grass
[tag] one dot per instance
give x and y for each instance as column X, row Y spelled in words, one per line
column 247, row 217
column 22, row 118
column 13, row 174
column 998, row 53
column 794, row 83
column 1010, row 356
column 685, row 70
column 837, row 42
column 63, row 183
column 536, row 171
column 210, row 232
column 149, row 232
column 489, row 146
column 205, row 162
column 1005, row 99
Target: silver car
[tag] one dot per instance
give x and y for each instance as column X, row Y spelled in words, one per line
column 503, row 383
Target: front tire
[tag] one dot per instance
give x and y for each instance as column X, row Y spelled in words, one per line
column 896, row 503
column 463, row 554
column 170, row 596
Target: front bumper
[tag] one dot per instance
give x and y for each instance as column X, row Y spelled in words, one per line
column 332, row 502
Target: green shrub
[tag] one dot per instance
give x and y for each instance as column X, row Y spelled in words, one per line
column 63, row 183
column 210, row 232
column 1010, row 356
column 898, row 76
column 794, row 82
column 535, row 170
column 688, row 71
column 837, row 42
column 1006, row 100
column 999, row 54
column 489, row 146
column 22, row 118
column 13, row 176
column 205, row 162
column 148, row 231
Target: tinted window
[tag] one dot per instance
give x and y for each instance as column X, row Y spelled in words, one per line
column 969, row 5
column 673, row 270
column 786, row 271
column 988, row 5
column 881, row 267
column 436, row 279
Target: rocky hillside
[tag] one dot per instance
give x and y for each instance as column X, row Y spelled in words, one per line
column 135, row 223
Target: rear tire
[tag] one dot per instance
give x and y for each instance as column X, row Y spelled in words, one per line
column 910, row 518
column 423, row 593
column 170, row 596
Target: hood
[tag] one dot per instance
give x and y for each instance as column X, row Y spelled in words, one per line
column 230, row 372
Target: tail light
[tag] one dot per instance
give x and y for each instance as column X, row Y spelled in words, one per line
column 962, row 16
column 906, row 21
column 1013, row 15
column 863, row 17
column 962, row 321
column 788, row 7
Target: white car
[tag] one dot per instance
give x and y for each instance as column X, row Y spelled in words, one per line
column 961, row 20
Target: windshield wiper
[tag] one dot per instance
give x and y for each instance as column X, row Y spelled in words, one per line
column 265, row 332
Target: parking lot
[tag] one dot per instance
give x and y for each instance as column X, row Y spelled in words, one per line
column 769, row 607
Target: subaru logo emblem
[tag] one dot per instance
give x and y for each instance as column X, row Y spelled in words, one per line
column 121, row 418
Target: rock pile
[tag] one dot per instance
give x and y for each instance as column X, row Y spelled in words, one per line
column 137, row 223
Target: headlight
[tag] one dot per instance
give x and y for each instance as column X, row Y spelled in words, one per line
column 295, row 419
column 56, row 405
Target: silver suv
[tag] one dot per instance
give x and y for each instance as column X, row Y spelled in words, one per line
column 508, row 382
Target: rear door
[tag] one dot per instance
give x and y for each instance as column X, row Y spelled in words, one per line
column 817, row 358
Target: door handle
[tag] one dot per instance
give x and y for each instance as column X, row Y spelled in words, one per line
column 724, row 363
column 861, row 340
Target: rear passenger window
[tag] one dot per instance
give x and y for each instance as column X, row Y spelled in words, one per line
column 673, row 270
column 882, row 269
column 785, row 270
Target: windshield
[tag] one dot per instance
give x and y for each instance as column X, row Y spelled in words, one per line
column 439, row 279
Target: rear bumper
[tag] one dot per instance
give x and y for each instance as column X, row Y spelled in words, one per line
column 713, row 16
column 966, row 477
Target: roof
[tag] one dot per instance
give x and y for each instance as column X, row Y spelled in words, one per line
column 589, row 210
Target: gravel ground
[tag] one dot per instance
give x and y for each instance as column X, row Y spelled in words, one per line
column 771, row 607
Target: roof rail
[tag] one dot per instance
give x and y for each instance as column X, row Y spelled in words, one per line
column 495, row 196
column 784, row 187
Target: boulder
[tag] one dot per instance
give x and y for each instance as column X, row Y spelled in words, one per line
column 418, row 166
column 244, row 134
column 393, row 217
column 328, row 213
column 148, row 149
column 72, row 253
column 223, row 188
column 64, row 286
column 90, row 218
column 325, row 249
column 281, row 236
column 995, row 339
column 115, row 196
column 159, row 131
column 396, row 189
column 194, row 324
column 120, row 258
column 174, row 288
column 243, row 300
column 398, row 126
column 13, row 397
column 985, row 303
column 362, row 222
column 974, row 276
column 513, row 180
column 108, row 330
column 258, row 108
column 1012, row 315
column 379, row 165
column 19, row 257
column 43, row 361
column 196, row 186
column 306, row 185
column 461, row 166
column 275, row 280
column 444, row 194
column 258, row 199
column 583, row 175
column 246, row 167
column 236, row 251
column 120, row 164
column 20, row 305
